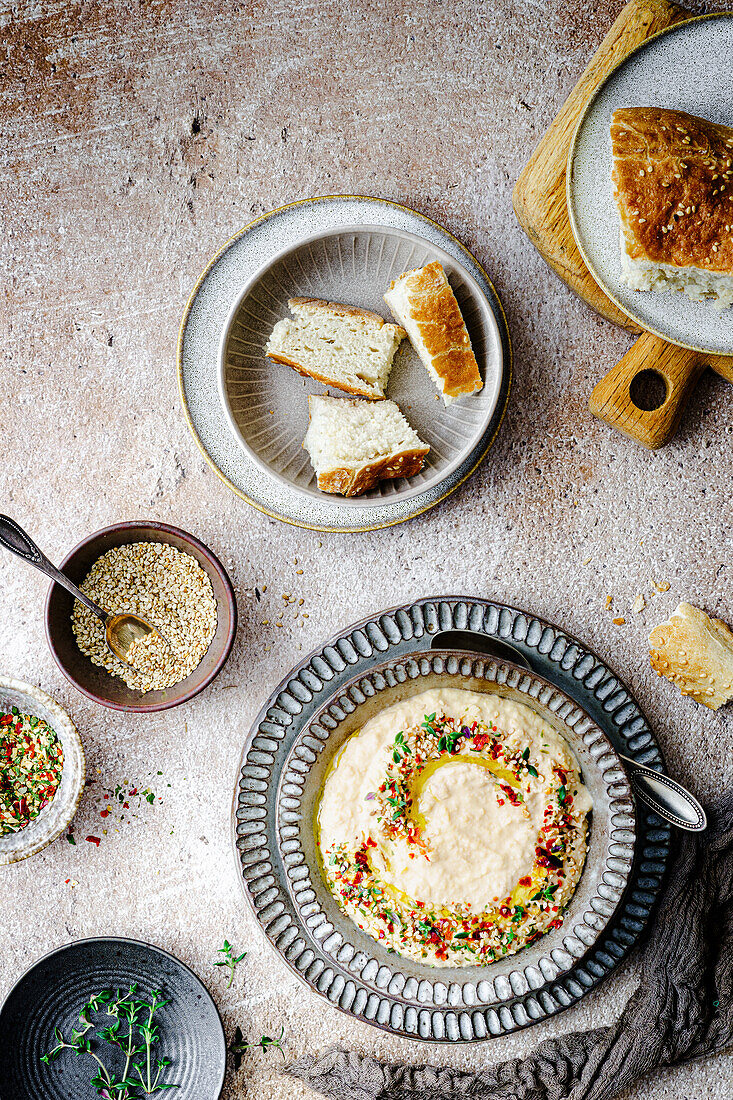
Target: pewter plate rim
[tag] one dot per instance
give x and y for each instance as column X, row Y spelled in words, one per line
column 198, row 341
column 577, row 671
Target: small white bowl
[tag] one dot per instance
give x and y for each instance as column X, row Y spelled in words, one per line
column 55, row 817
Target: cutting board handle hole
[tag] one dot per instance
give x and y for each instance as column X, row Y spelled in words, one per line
column 649, row 390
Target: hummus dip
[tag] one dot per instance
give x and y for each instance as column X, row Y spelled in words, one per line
column 453, row 827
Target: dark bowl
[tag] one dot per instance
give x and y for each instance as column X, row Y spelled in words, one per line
column 51, row 993
column 93, row 681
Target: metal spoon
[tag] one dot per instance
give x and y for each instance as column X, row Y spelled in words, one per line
column 668, row 798
column 120, row 630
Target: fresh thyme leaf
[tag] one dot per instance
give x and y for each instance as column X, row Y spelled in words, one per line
column 230, row 960
column 135, row 1038
column 265, row 1043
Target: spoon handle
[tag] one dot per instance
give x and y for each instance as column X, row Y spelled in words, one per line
column 668, row 798
column 15, row 539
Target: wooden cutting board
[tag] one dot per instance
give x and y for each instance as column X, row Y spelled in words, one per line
column 540, row 205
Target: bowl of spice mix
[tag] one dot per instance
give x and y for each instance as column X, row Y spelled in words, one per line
column 41, row 770
column 170, row 579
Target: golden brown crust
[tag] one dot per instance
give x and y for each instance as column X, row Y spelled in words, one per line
column 673, row 183
column 696, row 653
column 277, row 357
column 439, row 321
column 343, row 310
column 352, row 483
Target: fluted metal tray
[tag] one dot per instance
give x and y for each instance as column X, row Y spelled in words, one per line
column 438, row 1004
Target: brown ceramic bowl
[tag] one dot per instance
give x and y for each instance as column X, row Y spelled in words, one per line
column 93, row 681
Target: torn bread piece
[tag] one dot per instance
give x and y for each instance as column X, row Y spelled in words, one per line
column 343, row 346
column 424, row 303
column 673, row 185
column 696, row 653
column 354, row 444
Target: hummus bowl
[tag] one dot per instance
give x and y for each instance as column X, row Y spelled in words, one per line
column 323, row 945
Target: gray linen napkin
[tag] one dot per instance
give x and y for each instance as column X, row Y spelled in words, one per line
column 682, row 1010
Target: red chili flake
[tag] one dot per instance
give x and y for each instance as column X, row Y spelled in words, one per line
column 105, row 812
column 94, row 840
column 526, row 880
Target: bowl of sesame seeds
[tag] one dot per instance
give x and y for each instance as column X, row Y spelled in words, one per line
column 172, row 580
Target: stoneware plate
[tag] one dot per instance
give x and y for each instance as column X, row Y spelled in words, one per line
column 688, row 67
column 54, row 817
column 303, row 249
column 283, row 764
column 266, row 403
column 51, row 993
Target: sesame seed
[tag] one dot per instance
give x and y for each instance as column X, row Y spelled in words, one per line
column 166, row 587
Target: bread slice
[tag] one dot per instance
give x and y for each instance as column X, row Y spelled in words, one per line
column 353, row 444
column 342, row 346
column 696, row 653
column 423, row 302
column 673, row 184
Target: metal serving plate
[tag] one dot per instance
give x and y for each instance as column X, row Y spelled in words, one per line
column 249, row 463
column 439, row 1004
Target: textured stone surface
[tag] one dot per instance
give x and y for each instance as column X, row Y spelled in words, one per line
column 135, row 140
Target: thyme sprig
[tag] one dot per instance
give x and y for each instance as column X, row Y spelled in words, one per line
column 133, row 1032
column 230, row 960
column 265, row 1043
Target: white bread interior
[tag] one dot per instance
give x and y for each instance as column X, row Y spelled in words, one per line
column 697, row 283
column 353, row 444
column 343, row 346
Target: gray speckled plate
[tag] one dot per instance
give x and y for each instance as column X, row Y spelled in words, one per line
column 294, row 910
column 276, row 478
column 54, row 817
column 266, row 403
column 688, row 67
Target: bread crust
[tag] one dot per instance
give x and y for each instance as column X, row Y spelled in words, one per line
column 673, row 184
column 351, row 482
column 696, row 653
column 437, row 315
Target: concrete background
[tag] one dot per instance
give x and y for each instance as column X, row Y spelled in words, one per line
column 135, row 139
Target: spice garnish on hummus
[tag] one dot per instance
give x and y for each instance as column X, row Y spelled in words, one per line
column 453, row 827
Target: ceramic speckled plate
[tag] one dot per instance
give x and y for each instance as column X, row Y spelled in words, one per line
column 279, row 256
column 266, row 403
column 688, row 67
column 54, row 817
column 294, row 907
column 52, row 992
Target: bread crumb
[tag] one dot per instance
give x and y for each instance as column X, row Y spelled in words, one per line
column 661, row 586
column 586, row 561
column 619, row 622
column 639, row 604
column 609, row 601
